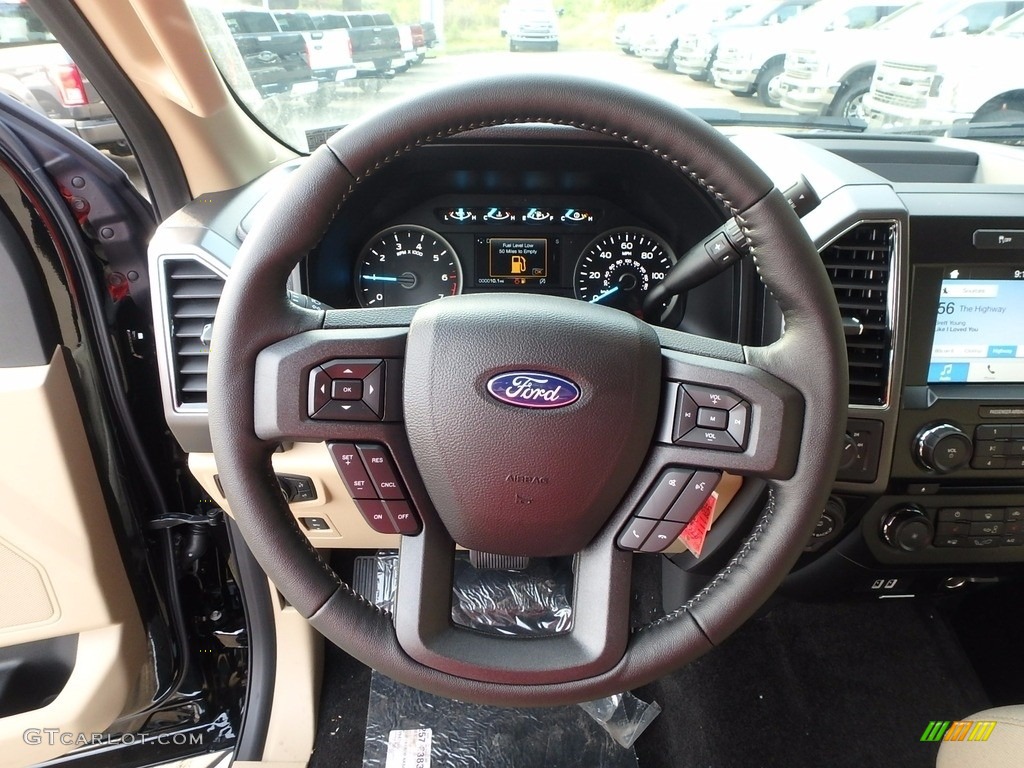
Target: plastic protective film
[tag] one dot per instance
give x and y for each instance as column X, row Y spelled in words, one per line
column 407, row 728
column 533, row 602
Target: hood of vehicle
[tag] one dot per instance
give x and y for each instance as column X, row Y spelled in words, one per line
column 873, row 43
column 780, row 36
column 961, row 51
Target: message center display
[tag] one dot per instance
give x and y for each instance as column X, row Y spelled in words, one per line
column 979, row 327
column 510, row 261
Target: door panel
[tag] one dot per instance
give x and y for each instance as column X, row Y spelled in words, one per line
column 61, row 572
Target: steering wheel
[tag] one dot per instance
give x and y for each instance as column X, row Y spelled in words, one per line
column 496, row 477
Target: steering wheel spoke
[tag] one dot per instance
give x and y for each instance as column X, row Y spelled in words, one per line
column 595, row 641
column 330, row 384
column 722, row 414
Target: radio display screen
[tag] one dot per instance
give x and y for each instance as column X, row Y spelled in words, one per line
column 979, row 327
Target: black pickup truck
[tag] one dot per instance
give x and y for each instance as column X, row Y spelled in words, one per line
column 277, row 61
column 376, row 48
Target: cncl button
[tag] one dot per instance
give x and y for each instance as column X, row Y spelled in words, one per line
column 382, row 472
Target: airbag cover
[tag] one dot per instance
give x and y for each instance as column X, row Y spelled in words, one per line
column 527, row 466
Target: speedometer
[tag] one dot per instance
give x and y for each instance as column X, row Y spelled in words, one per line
column 405, row 266
column 620, row 267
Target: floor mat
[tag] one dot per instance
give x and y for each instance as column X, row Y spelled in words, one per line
column 341, row 724
column 816, row 685
column 408, row 728
column 805, row 685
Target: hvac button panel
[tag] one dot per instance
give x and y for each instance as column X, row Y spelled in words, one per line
column 347, row 390
column 371, row 478
column 979, row 527
column 669, row 505
column 710, row 418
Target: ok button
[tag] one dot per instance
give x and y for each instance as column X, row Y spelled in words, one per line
column 347, row 389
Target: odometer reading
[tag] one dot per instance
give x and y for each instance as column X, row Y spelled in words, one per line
column 405, row 266
column 620, row 267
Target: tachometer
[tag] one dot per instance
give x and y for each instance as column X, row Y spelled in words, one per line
column 620, row 267
column 407, row 265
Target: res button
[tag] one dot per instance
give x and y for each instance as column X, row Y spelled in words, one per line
column 382, row 471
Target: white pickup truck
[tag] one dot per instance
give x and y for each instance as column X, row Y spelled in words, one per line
column 662, row 39
column 956, row 80
column 832, row 76
column 750, row 61
column 329, row 51
column 529, row 24
column 697, row 49
column 632, row 28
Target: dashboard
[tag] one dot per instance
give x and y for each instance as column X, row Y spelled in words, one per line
column 923, row 241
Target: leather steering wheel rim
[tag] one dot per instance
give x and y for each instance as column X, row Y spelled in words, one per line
column 255, row 313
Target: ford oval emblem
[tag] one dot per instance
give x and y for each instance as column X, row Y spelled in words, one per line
column 533, row 389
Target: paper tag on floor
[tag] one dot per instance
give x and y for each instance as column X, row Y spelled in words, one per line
column 696, row 530
column 409, row 749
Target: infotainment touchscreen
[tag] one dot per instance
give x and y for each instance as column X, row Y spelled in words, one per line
column 979, row 327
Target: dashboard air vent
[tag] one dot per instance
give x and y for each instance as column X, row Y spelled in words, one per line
column 193, row 291
column 858, row 264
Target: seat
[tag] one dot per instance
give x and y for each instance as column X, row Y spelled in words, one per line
column 1003, row 748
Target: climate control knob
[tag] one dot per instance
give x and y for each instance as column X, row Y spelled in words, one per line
column 907, row 529
column 943, row 448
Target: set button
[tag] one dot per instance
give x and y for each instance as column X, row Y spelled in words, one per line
column 372, row 481
column 710, row 418
column 347, row 390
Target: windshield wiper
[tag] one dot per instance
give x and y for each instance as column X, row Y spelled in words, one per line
column 1005, row 131
column 733, row 117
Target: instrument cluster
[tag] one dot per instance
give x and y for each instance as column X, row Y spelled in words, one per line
column 581, row 248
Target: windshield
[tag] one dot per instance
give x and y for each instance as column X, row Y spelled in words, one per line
column 1011, row 27
column 305, row 73
column 772, row 10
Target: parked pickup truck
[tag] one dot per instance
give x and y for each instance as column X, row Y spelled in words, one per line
column 632, row 28
column 36, row 71
column 276, row 60
column 750, row 61
column 328, row 51
column 662, row 39
column 697, row 49
column 833, row 76
column 376, row 45
column 414, row 46
column 529, row 24
column 954, row 80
